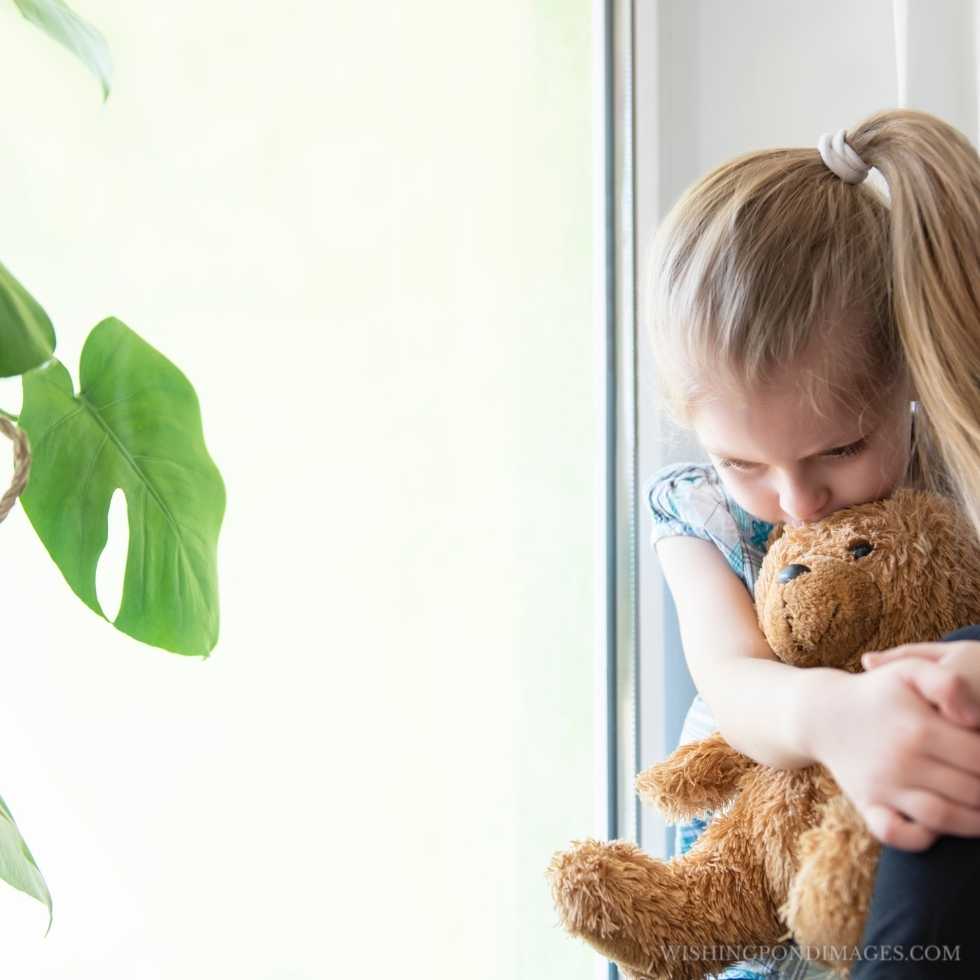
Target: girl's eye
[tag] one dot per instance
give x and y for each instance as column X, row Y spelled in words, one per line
column 736, row 464
column 852, row 450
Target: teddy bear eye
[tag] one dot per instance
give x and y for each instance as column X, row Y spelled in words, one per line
column 859, row 549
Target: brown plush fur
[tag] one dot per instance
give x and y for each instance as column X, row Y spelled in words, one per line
column 787, row 855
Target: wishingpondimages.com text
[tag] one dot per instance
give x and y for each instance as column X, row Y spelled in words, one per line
column 825, row 954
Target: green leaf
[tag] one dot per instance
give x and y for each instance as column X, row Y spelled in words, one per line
column 134, row 424
column 26, row 334
column 58, row 21
column 17, row 864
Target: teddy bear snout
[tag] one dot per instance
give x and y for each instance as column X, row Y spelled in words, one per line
column 821, row 613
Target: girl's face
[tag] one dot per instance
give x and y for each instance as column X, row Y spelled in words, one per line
column 782, row 461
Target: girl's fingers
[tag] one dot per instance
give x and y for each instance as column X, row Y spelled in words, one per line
column 957, row 748
column 928, row 651
column 942, row 687
column 939, row 814
column 891, row 828
column 954, row 785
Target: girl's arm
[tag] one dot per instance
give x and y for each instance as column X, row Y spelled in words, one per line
column 877, row 732
column 752, row 695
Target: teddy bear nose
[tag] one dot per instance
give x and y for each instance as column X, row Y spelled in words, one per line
column 791, row 571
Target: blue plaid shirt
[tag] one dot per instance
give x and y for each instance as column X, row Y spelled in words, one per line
column 689, row 499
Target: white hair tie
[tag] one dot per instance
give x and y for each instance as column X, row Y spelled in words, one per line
column 841, row 158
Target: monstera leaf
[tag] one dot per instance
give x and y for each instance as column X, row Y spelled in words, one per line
column 26, row 334
column 134, row 424
column 17, row 865
column 61, row 23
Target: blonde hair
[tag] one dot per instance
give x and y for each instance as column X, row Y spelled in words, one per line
column 767, row 254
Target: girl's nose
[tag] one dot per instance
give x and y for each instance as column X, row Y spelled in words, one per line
column 803, row 503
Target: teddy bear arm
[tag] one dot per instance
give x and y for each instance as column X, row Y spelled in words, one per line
column 696, row 778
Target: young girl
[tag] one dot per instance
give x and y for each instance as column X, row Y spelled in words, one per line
column 820, row 334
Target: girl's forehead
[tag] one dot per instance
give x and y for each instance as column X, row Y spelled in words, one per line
column 803, row 399
column 785, row 421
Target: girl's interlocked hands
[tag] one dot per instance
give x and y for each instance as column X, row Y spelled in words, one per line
column 914, row 773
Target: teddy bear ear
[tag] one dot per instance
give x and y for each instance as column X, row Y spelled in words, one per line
column 775, row 534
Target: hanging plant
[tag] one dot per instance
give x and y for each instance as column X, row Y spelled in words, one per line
column 134, row 424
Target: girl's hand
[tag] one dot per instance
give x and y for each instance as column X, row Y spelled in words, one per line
column 912, row 773
column 959, row 698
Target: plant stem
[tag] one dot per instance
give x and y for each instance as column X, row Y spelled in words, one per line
column 13, row 418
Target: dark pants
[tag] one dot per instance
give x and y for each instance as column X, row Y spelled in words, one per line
column 924, row 901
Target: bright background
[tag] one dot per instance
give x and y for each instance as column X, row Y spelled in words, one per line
column 364, row 232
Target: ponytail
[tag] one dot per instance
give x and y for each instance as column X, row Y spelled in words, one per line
column 933, row 177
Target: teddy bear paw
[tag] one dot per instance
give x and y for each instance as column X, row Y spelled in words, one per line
column 592, row 887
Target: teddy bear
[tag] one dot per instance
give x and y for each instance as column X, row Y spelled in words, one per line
column 787, row 854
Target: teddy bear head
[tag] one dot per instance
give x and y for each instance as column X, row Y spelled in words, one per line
column 901, row 570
